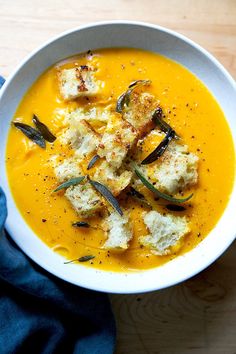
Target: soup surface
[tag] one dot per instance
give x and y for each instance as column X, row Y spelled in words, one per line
column 189, row 109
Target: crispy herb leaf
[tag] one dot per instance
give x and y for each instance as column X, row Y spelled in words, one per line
column 158, row 193
column 72, row 261
column 132, row 86
column 81, row 224
column 157, row 118
column 104, row 191
column 158, row 114
column 86, row 258
column 160, row 149
column 71, row 182
column 120, row 103
column 31, row 133
column 173, row 207
column 134, row 193
column 139, row 82
column 81, row 259
column 93, row 161
column 124, row 98
column 138, row 196
column 43, row 129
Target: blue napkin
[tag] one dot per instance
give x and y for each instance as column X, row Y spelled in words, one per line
column 42, row 314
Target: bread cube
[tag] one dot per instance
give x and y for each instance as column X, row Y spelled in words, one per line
column 116, row 141
column 165, row 232
column 77, row 82
column 82, row 137
column 67, row 169
column 114, row 180
column 87, row 139
column 84, row 199
column 118, row 232
column 176, row 170
column 139, row 111
column 92, row 115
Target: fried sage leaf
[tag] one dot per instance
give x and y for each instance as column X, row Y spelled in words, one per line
column 81, row 224
column 86, row 258
column 81, row 259
column 134, row 193
column 132, row 86
column 121, row 102
column 139, row 82
column 158, row 120
column 158, row 193
column 43, row 129
column 106, row 193
column 124, row 98
column 173, row 207
column 93, row 161
column 71, row 182
column 31, row 133
column 160, row 149
column 139, row 197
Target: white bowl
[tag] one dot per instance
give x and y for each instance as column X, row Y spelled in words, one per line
column 120, row 34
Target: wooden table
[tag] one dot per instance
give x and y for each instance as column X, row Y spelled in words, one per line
column 198, row 316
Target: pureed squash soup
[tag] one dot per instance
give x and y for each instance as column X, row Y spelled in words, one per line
column 195, row 124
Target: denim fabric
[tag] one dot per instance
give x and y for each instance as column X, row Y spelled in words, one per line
column 40, row 313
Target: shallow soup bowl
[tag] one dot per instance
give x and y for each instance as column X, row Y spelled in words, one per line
column 105, row 35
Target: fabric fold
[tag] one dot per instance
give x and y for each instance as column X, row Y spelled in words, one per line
column 39, row 313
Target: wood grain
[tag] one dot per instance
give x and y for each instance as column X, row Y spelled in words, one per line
column 198, row 316
column 25, row 24
column 195, row 317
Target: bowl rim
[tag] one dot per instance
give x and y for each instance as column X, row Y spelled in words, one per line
column 139, row 287
column 125, row 22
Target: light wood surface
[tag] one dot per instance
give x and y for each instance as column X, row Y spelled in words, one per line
column 198, row 316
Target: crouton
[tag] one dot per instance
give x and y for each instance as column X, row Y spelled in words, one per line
column 118, row 232
column 139, row 111
column 112, row 179
column 174, row 171
column 77, row 82
column 165, row 232
column 84, row 199
column 90, row 115
column 87, row 139
column 117, row 139
column 67, row 169
column 178, row 169
column 83, row 138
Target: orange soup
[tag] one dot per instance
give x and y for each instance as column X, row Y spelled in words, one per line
column 187, row 106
